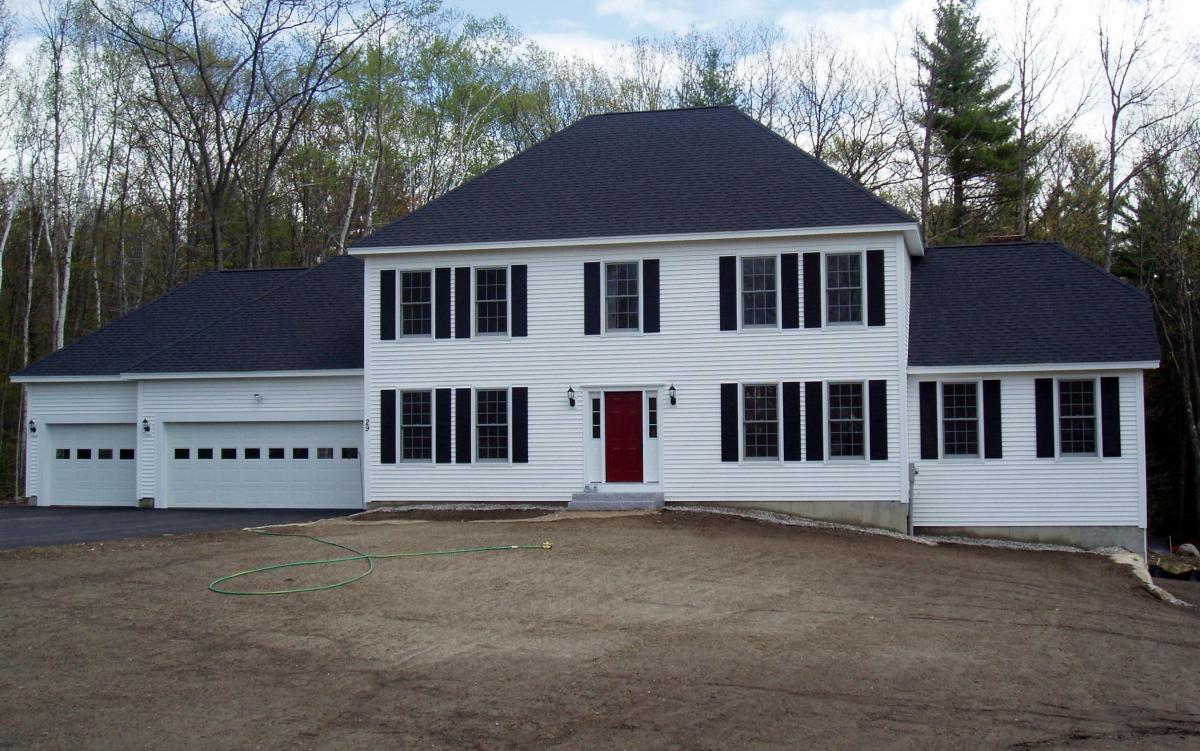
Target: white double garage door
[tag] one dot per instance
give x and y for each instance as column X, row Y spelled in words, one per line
column 213, row 465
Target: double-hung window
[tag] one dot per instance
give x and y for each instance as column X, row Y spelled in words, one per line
column 760, row 421
column 416, row 425
column 491, row 424
column 621, row 296
column 1077, row 417
column 491, row 301
column 847, row 420
column 758, row 291
column 843, row 288
column 416, row 303
column 960, row 419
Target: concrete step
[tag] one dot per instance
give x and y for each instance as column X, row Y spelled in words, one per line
column 591, row 501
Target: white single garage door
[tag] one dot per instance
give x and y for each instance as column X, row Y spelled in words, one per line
column 91, row 465
column 264, row 465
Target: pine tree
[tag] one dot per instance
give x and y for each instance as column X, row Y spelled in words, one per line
column 1073, row 212
column 709, row 83
column 971, row 116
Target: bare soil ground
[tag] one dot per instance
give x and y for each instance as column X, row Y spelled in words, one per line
column 670, row 630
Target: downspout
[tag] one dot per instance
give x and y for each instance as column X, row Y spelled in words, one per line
column 912, row 482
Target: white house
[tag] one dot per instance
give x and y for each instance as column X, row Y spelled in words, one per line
column 672, row 306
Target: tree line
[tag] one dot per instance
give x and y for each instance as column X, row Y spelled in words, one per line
column 147, row 141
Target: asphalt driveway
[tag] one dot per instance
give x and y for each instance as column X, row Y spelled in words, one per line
column 27, row 526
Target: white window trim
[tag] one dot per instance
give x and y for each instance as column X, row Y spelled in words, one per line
column 862, row 287
column 641, row 301
column 742, row 458
column 778, row 298
column 474, row 293
column 866, row 401
column 941, row 423
column 432, row 426
column 475, row 458
column 1058, row 452
column 400, row 304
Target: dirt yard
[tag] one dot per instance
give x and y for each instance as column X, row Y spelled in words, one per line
column 671, row 630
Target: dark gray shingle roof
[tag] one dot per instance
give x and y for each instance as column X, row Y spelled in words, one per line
column 1024, row 303
column 644, row 173
column 275, row 319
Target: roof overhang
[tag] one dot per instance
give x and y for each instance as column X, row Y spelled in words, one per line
column 910, row 231
column 1032, row 367
column 128, row 377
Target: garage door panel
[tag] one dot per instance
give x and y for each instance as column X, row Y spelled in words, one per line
column 92, row 465
column 264, row 465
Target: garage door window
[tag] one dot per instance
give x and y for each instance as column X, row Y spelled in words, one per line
column 228, row 453
column 275, row 453
column 350, row 452
column 252, row 453
column 83, row 453
column 324, row 453
column 182, row 453
column 104, row 454
column 300, row 453
column 62, row 453
column 126, row 454
column 416, row 425
column 204, row 453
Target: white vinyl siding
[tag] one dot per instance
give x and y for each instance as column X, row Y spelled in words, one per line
column 693, row 353
column 1021, row 489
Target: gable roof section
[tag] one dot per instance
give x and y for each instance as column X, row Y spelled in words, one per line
column 644, row 173
column 1024, row 303
column 229, row 321
column 312, row 322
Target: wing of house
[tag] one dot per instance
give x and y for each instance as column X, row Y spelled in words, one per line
column 674, row 305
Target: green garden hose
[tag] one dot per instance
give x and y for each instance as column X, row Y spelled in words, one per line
column 370, row 558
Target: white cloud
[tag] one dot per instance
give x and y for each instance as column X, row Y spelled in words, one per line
column 642, row 15
column 594, row 49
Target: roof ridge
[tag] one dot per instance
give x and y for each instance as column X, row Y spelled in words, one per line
column 303, row 271
column 662, row 110
column 827, row 168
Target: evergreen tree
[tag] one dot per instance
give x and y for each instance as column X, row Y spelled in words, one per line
column 971, row 116
column 707, row 81
column 1073, row 212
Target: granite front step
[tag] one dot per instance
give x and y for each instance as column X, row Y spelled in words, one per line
column 615, row 501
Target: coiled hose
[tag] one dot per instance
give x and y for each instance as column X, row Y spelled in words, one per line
column 357, row 555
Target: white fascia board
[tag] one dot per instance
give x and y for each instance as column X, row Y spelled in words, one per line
column 1032, row 367
column 242, row 374
column 912, row 240
column 66, row 379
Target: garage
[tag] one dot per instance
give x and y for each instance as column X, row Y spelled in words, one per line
column 92, row 465
column 264, row 465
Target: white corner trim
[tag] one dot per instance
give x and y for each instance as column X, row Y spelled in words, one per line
column 912, row 239
column 1032, row 367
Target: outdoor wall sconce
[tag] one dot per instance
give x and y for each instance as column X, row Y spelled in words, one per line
column 258, row 397
column 32, row 426
column 671, row 393
column 571, row 395
column 145, row 425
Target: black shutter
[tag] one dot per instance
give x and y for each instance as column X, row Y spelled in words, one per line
column 462, row 302
column 387, row 304
column 387, row 426
column 1043, row 390
column 441, row 318
column 650, row 295
column 462, row 426
column 875, row 297
column 519, row 297
column 789, row 290
column 520, row 427
column 877, row 405
column 441, row 414
column 928, row 394
column 729, row 422
column 1110, row 415
column 791, row 421
column 814, row 421
column 993, row 442
column 591, row 298
column 812, row 290
column 728, row 271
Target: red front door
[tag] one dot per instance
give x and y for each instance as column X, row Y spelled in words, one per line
column 623, row 436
